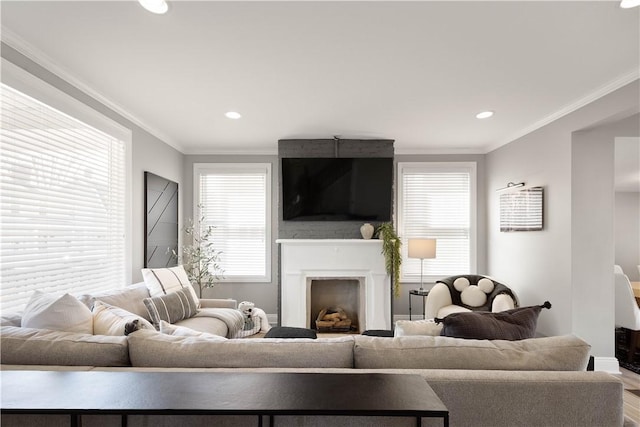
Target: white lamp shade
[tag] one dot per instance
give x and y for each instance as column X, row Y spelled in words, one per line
column 422, row 248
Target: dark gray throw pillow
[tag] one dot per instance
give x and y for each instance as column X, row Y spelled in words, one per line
column 516, row 324
column 290, row 332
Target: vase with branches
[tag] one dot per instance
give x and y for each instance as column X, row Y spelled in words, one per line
column 201, row 260
column 391, row 245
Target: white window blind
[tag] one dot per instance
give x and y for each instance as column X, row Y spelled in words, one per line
column 236, row 200
column 62, row 200
column 437, row 201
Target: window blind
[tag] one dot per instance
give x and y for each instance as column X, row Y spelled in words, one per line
column 435, row 202
column 235, row 199
column 62, row 200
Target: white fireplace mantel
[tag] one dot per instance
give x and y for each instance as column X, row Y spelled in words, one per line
column 303, row 260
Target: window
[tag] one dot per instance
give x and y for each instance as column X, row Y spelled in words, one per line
column 63, row 203
column 437, row 200
column 235, row 198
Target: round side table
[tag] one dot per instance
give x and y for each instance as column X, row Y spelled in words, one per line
column 418, row 292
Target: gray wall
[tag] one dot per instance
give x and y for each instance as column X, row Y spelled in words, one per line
column 564, row 263
column 264, row 295
column 627, row 233
column 149, row 153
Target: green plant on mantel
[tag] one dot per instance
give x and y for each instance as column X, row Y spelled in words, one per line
column 391, row 245
column 200, row 259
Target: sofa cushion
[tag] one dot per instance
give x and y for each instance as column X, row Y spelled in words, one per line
column 559, row 353
column 153, row 349
column 57, row 313
column 128, row 298
column 203, row 323
column 516, row 324
column 171, row 307
column 27, row 346
column 162, row 281
column 183, row 331
column 110, row 320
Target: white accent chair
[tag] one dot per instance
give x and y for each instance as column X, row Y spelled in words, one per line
column 627, row 312
column 446, row 296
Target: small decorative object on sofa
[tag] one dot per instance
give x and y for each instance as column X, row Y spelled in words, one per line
column 517, row 324
column 255, row 320
column 468, row 292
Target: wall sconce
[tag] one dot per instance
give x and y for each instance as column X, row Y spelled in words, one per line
column 511, row 185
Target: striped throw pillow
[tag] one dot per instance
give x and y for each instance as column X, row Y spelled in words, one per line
column 171, row 307
column 162, row 281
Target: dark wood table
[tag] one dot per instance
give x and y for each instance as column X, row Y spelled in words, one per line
column 206, row 393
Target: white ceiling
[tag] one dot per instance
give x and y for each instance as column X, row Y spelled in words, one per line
column 416, row 72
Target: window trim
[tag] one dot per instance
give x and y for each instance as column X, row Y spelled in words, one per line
column 471, row 168
column 200, row 168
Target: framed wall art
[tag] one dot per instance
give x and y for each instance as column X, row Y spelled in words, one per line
column 160, row 221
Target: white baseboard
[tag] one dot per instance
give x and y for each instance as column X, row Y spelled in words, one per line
column 273, row 319
column 606, row 364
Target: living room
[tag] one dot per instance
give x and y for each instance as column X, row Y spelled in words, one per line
column 561, row 77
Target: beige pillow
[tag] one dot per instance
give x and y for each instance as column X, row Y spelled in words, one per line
column 162, row 281
column 417, row 327
column 182, row 331
column 110, row 320
column 128, row 298
column 57, row 313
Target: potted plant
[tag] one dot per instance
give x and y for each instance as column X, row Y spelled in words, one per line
column 391, row 245
column 200, row 259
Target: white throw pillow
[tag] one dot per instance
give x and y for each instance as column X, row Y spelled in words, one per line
column 486, row 285
column 417, row 327
column 162, row 281
column 473, row 296
column 110, row 320
column 461, row 283
column 57, row 313
column 182, row 331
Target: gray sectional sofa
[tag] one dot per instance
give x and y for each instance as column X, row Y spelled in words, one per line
column 534, row 382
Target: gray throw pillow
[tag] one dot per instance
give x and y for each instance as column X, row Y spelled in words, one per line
column 515, row 324
column 171, row 307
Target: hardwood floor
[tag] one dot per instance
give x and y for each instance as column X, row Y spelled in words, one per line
column 631, row 381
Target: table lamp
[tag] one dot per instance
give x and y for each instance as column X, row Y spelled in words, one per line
column 422, row 249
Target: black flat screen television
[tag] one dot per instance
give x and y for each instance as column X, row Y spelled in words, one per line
column 337, row 189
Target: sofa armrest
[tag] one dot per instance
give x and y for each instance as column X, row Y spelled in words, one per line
column 218, row 303
column 502, row 302
column 439, row 296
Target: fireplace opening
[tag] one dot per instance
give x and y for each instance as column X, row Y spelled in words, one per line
column 335, row 305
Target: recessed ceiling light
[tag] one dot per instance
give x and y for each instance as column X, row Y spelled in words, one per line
column 484, row 115
column 232, row 115
column 155, row 6
column 628, row 4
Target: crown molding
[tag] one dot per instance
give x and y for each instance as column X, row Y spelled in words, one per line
column 41, row 59
column 235, row 151
column 405, row 151
column 589, row 98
